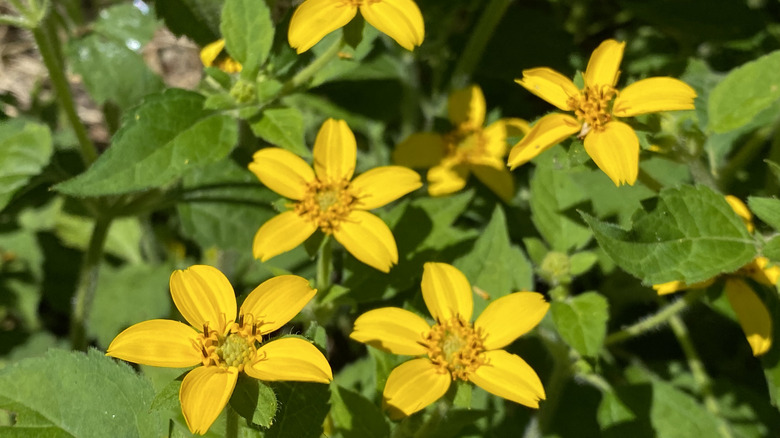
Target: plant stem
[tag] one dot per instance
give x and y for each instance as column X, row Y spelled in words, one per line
column 654, row 321
column 310, row 70
column 88, row 278
column 561, row 373
column 480, row 36
column 56, row 70
column 231, row 422
column 699, row 373
column 324, row 259
column 745, row 154
column 649, row 182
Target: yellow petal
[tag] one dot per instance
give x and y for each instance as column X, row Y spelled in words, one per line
column 495, row 135
column 369, row 239
column 204, row 295
column 510, row 317
column 546, row 133
column 466, row 108
column 290, row 359
column 652, row 95
column 281, row 233
column 401, row 20
column 204, row 393
column 209, row 53
column 314, row 19
column 550, row 85
column 335, row 151
column 446, row 292
column 759, row 272
column 501, row 182
column 412, row 386
column 447, row 178
column 742, row 211
column 616, row 151
column 423, row 149
column 509, row 376
column 676, row 286
column 382, row 185
column 752, row 314
column 282, row 171
column 276, row 301
column 159, row 343
column 391, row 329
column 604, row 64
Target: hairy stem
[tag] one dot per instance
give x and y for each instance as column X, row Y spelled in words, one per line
column 324, row 259
column 88, row 278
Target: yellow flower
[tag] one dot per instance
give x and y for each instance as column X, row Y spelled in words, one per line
column 454, row 348
column 613, row 145
column 752, row 314
column 209, row 56
column 401, row 20
column 327, row 198
column 223, row 344
column 468, row 148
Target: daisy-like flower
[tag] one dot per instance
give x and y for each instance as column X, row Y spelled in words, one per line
column 223, row 344
column 210, row 56
column 613, row 145
column 468, row 148
column 401, row 20
column 454, row 348
column 752, row 314
column 327, row 198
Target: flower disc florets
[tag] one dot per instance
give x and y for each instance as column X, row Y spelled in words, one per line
column 455, row 346
column 593, row 106
column 326, row 203
column 233, row 350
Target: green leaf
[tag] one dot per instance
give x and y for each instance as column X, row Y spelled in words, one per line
column 691, row 235
column 254, row 400
column 126, row 23
column 582, row 321
column 248, row 32
column 355, row 416
column 771, row 249
column 303, row 407
column 582, row 262
column 25, row 148
column 745, row 92
column 282, row 127
column 75, row 395
column 767, row 209
column 123, row 240
column 197, row 19
column 158, row 142
column 553, row 196
column 493, row 264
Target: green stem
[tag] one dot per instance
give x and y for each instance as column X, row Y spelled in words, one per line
column 324, row 264
column 649, row 182
column 231, row 423
column 480, row 36
column 310, row 70
column 745, row 153
column 88, row 278
column 561, row 373
column 56, row 70
column 654, row 321
column 700, row 375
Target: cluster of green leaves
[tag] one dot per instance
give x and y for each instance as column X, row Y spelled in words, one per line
column 173, row 188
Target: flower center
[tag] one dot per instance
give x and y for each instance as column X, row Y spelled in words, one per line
column 326, row 204
column 456, row 347
column 466, row 146
column 236, row 349
column 593, row 107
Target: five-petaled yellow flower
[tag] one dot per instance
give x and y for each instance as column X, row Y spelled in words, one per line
column 752, row 314
column 210, row 56
column 454, row 348
column 468, row 148
column 612, row 145
column 401, row 20
column 327, row 198
column 223, row 344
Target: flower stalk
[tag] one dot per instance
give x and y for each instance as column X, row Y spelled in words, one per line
column 310, row 70
column 475, row 47
column 324, row 264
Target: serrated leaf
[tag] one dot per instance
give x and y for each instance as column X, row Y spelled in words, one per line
column 282, row 127
column 745, row 92
column 159, row 141
column 355, row 416
column 553, row 195
column 248, row 31
column 582, row 321
column 767, row 209
column 691, row 235
column 302, row 409
column 254, row 400
column 167, row 399
column 51, row 392
column 25, row 148
column 492, row 263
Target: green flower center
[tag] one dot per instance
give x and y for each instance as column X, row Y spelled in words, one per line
column 326, row 204
column 236, row 351
column 593, row 107
column 454, row 346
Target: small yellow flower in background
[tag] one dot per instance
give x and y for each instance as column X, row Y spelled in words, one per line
column 401, row 20
column 454, row 348
column 223, row 344
column 613, row 145
column 468, row 148
column 327, row 198
column 210, row 56
column 752, row 314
